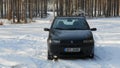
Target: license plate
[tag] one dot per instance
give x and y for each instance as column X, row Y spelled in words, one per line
column 72, row 49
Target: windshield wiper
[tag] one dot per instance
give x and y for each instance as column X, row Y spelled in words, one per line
column 73, row 29
column 59, row 28
column 69, row 29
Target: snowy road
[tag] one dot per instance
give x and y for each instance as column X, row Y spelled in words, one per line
column 24, row 46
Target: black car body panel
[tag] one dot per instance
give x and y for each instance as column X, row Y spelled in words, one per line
column 70, row 41
column 71, row 35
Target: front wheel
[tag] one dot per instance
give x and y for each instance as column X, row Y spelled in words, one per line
column 49, row 57
column 91, row 56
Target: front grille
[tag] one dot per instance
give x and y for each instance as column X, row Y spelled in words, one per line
column 70, row 45
column 71, row 42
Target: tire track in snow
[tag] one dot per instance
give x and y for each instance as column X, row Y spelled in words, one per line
column 101, row 57
column 69, row 64
column 80, row 63
column 100, row 53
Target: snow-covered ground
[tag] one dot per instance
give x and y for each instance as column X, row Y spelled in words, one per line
column 24, row 46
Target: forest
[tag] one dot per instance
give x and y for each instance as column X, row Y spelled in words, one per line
column 21, row 10
column 90, row 8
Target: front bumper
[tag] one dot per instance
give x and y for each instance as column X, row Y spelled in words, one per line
column 58, row 50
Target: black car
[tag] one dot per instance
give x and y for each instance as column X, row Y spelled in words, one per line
column 70, row 37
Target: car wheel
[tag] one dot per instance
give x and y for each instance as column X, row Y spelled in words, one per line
column 91, row 56
column 49, row 57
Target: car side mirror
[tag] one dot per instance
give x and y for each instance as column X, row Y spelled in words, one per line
column 46, row 29
column 93, row 29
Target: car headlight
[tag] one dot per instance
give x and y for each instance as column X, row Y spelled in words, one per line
column 88, row 41
column 54, row 41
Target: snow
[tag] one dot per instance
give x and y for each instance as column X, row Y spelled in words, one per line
column 24, row 45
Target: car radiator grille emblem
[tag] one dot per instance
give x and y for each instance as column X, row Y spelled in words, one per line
column 71, row 41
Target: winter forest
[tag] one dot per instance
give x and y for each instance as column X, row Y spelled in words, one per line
column 28, row 9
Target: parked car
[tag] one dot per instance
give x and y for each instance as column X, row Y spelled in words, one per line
column 70, row 37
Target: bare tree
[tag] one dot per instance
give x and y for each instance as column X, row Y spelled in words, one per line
column 92, row 8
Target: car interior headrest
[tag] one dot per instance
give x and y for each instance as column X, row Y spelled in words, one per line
column 61, row 23
column 76, row 23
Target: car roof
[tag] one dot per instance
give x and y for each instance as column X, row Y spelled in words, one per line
column 70, row 17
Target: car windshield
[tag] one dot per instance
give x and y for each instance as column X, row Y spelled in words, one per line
column 70, row 24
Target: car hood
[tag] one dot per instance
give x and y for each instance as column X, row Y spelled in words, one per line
column 71, row 34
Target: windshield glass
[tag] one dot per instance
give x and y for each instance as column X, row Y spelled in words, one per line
column 70, row 24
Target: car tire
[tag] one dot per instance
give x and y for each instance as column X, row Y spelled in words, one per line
column 91, row 56
column 49, row 57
